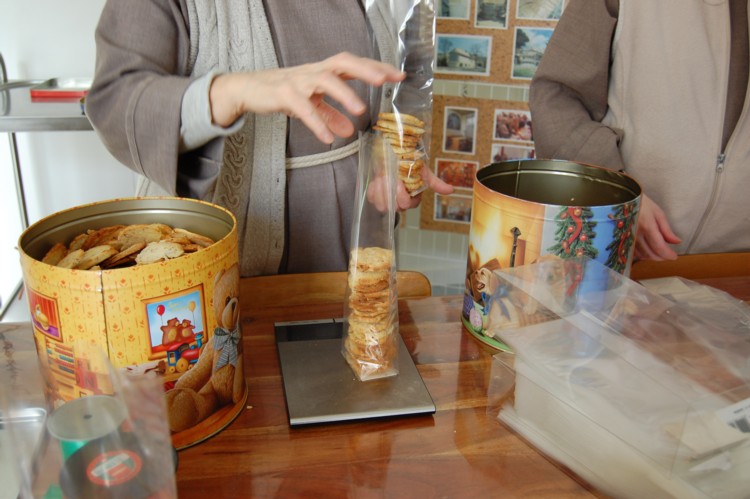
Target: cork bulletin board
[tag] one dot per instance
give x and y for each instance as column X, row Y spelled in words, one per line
column 486, row 54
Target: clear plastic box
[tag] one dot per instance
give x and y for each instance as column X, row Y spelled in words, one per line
column 638, row 394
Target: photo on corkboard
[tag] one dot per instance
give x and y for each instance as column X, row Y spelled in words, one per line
column 539, row 10
column 452, row 9
column 512, row 124
column 463, row 54
column 492, row 14
column 459, row 130
column 505, row 152
column 459, row 174
column 453, row 208
column 528, row 48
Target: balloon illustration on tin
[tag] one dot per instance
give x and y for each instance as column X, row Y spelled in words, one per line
column 191, row 306
column 160, row 310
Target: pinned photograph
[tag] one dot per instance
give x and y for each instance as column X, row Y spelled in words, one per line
column 463, row 54
column 459, row 132
column 540, row 10
column 505, row 152
column 459, row 174
column 453, row 208
column 452, row 9
column 512, row 124
column 492, row 14
column 528, row 48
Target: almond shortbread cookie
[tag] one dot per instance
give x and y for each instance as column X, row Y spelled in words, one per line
column 158, row 251
column 55, row 254
column 72, row 259
column 404, row 133
column 372, row 258
column 402, row 117
column 95, row 256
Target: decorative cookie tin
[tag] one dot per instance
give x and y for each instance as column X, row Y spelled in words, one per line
column 178, row 317
column 530, row 209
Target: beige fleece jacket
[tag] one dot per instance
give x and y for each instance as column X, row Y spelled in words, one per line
column 645, row 88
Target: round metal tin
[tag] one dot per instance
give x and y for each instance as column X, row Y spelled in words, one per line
column 127, row 317
column 528, row 209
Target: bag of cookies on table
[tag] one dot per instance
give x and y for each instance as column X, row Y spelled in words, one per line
column 406, row 38
column 370, row 341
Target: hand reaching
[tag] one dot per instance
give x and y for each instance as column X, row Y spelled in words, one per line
column 299, row 92
column 378, row 192
column 405, row 202
column 654, row 234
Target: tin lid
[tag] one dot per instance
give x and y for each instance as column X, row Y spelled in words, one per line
column 113, row 467
column 86, row 418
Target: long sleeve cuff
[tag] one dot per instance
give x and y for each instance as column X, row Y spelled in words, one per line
column 196, row 127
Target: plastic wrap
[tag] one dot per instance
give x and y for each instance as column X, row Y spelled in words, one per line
column 407, row 116
column 104, row 446
column 635, row 392
column 371, row 307
column 23, row 411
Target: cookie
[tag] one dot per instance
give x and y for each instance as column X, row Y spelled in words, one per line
column 372, row 258
column 158, row 251
column 55, row 254
column 72, row 259
column 95, row 256
column 124, row 257
column 102, row 236
column 402, row 117
column 194, row 238
column 138, row 233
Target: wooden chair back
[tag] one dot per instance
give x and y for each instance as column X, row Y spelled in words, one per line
column 700, row 266
column 321, row 287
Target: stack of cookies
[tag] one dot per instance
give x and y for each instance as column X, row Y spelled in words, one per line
column 404, row 132
column 370, row 342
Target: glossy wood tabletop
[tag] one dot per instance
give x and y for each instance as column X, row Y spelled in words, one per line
column 460, row 451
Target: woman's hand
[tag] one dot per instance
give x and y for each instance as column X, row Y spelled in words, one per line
column 378, row 192
column 404, row 201
column 654, row 235
column 299, row 93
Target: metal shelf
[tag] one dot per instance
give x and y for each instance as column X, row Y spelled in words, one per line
column 19, row 113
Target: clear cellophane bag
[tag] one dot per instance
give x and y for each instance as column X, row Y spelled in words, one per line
column 404, row 31
column 370, row 340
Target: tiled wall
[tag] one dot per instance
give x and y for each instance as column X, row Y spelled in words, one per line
column 441, row 256
column 490, row 91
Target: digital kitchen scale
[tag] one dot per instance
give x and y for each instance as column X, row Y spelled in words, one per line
column 320, row 387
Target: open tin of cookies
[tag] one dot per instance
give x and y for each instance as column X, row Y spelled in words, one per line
column 170, row 315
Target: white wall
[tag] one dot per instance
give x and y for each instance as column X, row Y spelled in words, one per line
column 41, row 39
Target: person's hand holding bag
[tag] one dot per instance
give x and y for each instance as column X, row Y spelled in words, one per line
column 378, row 191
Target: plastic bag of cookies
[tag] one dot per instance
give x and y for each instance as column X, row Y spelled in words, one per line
column 369, row 343
column 406, row 116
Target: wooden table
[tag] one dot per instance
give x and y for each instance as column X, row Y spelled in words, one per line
column 460, row 451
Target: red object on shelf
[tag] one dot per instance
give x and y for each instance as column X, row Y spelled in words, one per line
column 61, row 89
